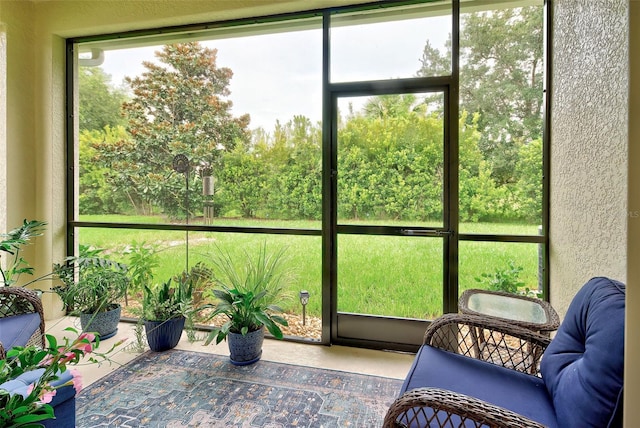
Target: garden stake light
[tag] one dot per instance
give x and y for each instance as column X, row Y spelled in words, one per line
column 304, row 299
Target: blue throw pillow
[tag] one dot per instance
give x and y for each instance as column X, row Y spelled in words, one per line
column 583, row 366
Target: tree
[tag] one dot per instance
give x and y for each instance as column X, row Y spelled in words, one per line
column 179, row 106
column 295, row 178
column 100, row 102
column 529, row 185
column 393, row 105
column 391, row 161
column 98, row 178
column 501, row 79
column 243, row 180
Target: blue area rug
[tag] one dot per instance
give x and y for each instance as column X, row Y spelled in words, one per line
column 191, row 389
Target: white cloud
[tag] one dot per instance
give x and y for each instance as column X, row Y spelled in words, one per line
column 279, row 75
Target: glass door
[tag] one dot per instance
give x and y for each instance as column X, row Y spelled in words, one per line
column 390, row 223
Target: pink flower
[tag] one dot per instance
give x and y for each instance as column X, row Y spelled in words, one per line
column 46, row 361
column 83, row 343
column 47, row 396
column 67, row 357
column 77, row 380
column 89, row 336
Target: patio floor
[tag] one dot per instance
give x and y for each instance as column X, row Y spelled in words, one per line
column 355, row 360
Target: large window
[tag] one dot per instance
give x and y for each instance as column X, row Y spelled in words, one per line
column 245, row 111
column 397, row 157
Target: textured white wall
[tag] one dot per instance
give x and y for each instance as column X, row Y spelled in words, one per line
column 589, row 137
column 632, row 346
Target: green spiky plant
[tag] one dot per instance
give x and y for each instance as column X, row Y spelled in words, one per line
column 248, row 292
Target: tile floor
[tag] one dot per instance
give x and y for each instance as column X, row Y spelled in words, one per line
column 356, row 360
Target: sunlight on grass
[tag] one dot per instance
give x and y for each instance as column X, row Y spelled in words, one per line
column 380, row 275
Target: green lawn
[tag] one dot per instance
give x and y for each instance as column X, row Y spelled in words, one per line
column 381, row 275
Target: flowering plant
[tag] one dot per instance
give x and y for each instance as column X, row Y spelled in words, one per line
column 19, row 411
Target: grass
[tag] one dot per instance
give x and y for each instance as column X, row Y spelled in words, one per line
column 380, row 275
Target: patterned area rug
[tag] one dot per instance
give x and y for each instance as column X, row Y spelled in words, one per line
column 191, row 389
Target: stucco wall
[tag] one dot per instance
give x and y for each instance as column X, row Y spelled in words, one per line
column 589, row 136
column 18, row 140
column 632, row 371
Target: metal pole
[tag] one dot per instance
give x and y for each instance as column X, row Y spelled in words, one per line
column 186, row 181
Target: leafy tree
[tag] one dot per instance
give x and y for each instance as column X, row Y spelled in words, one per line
column 99, row 101
column 100, row 189
column 529, row 185
column 296, row 170
column 179, row 106
column 390, row 161
column 243, row 181
column 434, row 63
column 501, row 79
column 393, row 105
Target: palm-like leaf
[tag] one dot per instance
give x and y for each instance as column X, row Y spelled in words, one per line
column 247, row 293
column 12, row 242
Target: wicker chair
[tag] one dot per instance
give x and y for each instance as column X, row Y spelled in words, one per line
column 20, row 307
column 506, row 381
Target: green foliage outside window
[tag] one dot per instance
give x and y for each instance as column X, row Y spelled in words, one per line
column 390, row 157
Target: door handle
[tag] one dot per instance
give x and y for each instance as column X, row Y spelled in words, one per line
column 425, row 232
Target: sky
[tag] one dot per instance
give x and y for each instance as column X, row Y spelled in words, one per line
column 277, row 76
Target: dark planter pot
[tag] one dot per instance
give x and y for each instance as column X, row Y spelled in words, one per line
column 103, row 323
column 245, row 350
column 164, row 335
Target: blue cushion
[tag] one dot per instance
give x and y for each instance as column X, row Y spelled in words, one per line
column 583, row 365
column 65, row 414
column 16, row 330
column 518, row 392
column 63, row 403
column 20, row 384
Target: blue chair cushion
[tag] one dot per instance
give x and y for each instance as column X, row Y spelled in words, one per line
column 583, row 366
column 20, row 384
column 518, row 392
column 16, row 330
column 63, row 403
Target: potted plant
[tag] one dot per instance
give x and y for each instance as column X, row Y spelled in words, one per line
column 92, row 285
column 52, row 362
column 164, row 310
column 247, row 296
